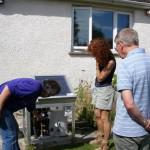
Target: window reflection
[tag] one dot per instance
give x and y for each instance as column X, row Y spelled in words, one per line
column 122, row 21
column 102, row 25
column 81, row 27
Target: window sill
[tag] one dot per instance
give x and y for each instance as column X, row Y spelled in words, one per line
column 79, row 53
column 86, row 53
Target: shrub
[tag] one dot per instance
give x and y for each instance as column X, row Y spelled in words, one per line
column 84, row 109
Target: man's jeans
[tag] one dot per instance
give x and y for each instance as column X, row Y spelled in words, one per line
column 9, row 131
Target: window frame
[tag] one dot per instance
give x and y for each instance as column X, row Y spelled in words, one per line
column 80, row 48
column 115, row 26
column 83, row 49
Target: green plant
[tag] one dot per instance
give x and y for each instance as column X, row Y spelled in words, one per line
column 114, row 81
column 84, row 109
column 113, row 112
column 31, row 147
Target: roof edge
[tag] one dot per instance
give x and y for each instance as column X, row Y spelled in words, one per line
column 126, row 3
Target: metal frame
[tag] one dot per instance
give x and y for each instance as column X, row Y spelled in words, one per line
column 45, row 103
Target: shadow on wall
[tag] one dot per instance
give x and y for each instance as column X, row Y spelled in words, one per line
column 35, row 7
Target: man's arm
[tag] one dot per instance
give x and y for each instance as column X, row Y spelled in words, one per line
column 3, row 97
column 133, row 110
column 102, row 75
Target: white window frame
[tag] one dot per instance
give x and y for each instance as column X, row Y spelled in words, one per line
column 115, row 13
column 80, row 48
column 115, row 25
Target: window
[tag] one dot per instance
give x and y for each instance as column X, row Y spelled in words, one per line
column 89, row 23
column 122, row 21
column 81, row 27
column 102, row 27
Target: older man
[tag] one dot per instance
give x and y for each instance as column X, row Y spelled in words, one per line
column 132, row 125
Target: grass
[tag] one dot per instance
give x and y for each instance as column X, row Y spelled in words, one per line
column 89, row 147
column 81, row 146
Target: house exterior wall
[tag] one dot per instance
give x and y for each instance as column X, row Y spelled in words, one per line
column 36, row 40
column 142, row 25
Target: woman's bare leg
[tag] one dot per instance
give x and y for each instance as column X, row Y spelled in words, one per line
column 105, row 118
column 99, row 122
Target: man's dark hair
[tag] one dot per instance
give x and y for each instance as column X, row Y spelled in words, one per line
column 51, row 87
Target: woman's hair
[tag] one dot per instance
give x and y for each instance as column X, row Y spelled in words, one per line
column 99, row 48
column 51, row 87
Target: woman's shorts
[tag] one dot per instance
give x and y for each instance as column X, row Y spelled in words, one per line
column 102, row 97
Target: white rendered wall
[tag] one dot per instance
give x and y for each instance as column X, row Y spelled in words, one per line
column 35, row 39
column 142, row 25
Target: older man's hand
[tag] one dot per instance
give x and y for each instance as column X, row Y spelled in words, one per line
column 147, row 125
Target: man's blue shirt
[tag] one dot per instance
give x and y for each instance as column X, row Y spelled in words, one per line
column 24, row 92
column 133, row 74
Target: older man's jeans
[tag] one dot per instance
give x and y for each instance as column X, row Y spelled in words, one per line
column 9, row 131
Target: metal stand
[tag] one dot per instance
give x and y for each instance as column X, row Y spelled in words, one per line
column 53, row 104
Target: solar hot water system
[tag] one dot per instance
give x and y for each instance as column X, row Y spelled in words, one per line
column 49, row 121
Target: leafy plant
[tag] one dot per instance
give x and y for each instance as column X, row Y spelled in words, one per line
column 84, row 109
column 113, row 112
column 114, row 81
column 31, row 147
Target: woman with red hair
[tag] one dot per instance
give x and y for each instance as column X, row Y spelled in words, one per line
column 103, row 92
